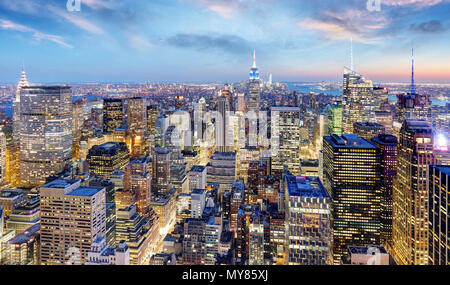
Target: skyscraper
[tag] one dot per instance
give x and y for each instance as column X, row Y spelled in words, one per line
column 112, row 114
column 309, row 235
column 285, row 134
column 410, row 194
column 104, row 159
column 335, row 119
column 223, row 142
column 352, row 178
column 254, row 88
column 388, row 148
column 358, row 103
column 161, row 171
column 136, row 115
column 368, row 130
column 439, row 216
column 45, row 132
column 72, row 217
column 23, row 82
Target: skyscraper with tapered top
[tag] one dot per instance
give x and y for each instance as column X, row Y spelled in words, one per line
column 23, row 82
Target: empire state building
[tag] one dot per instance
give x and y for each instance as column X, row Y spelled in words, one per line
column 254, row 88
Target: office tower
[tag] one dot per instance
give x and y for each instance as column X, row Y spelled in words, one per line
column 352, row 178
column 11, row 199
column 438, row 216
column 388, row 147
column 23, row 82
column 194, row 245
column 381, row 97
column 256, row 176
column 198, row 203
column 197, row 177
column 213, row 232
column 410, row 194
column 46, row 132
column 358, row 104
column 221, row 169
column 13, row 164
column 309, row 235
column 236, row 200
column 178, row 177
column 166, row 209
column 112, row 114
column 106, row 158
column 136, row 114
column 247, row 216
column 411, row 106
column 368, row 130
column 152, row 115
column 285, row 139
column 277, row 235
column 256, row 244
column 247, row 154
column 77, row 119
column 72, row 217
column 24, row 216
column 138, row 232
column 102, row 254
column 367, row 255
column 442, row 149
column 161, row 171
column 24, row 248
column 223, row 141
column 138, row 181
column 254, row 88
column 386, row 119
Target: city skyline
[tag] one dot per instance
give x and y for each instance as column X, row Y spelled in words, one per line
column 112, row 41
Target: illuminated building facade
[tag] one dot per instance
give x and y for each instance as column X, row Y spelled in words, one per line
column 136, row 114
column 72, row 217
column 45, row 133
column 286, row 139
column 368, row 130
column 104, row 159
column 161, row 171
column 24, row 248
column 309, row 235
column 389, row 162
column 358, row 104
column 410, row 194
column 439, row 216
column 352, row 178
column 112, row 114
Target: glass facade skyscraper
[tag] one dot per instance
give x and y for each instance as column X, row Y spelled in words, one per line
column 45, row 132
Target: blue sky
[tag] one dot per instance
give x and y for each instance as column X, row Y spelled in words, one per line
column 213, row 40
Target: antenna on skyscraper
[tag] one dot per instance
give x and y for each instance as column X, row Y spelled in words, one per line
column 413, row 86
column 351, row 54
column 254, row 58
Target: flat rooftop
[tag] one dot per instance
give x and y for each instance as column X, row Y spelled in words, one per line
column 85, row 191
column 198, row 168
column 364, row 249
column 60, row 183
column 349, row 141
column 305, row 186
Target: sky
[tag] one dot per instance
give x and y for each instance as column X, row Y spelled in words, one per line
column 213, row 40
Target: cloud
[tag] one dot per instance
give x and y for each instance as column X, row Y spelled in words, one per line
column 418, row 3
column 98, row 4
column 225, row 43
column 76, row 20
column 430, row 27
column 37, row 35
column 138, row 42
column 362, row 25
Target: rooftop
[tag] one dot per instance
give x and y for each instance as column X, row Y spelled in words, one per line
column 85, row 191
column 364, row 249
column 60, row 183
column 349, row 141
column 198, row 168
column 305, row 186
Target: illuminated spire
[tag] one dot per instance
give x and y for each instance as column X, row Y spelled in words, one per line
column 22, row 82
column 413, row 86
column 254, row 58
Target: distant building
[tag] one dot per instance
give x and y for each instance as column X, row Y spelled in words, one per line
column 112, row 114
column 104, row 159
column 368, row 130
